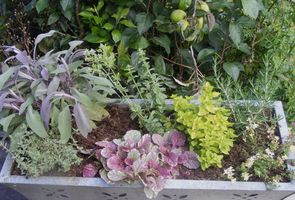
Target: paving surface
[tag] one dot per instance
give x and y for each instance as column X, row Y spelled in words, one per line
column 7, row 193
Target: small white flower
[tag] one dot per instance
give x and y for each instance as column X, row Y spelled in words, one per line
column 269, row 153
column 246, row 176
column 229, row 172
column 255, row 126
column 284, row 157
column 250, row 161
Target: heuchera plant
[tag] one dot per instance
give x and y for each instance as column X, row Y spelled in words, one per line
column 149, row 159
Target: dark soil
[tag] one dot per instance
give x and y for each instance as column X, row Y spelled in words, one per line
column 119, row 122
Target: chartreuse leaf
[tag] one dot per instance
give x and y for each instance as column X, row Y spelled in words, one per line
column 65, row 125
column 251, row 8
column 35, row 123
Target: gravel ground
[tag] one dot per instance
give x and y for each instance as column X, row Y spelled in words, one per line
column 7, row 193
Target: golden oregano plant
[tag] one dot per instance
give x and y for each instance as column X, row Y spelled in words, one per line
column 209, row 131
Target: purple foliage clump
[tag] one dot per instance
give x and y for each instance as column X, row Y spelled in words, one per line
column 149, row 159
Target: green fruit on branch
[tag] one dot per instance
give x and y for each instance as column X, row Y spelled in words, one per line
column 200, row 23
column 203, row 6
column 184, row 4
column 183, row 24
column 177, row 15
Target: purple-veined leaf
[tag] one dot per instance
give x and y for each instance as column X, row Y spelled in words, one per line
column 45, row 110
column 192, row 162
column 39, row 38
column 35, row 123
column 89, row 170
column 65, row 125
column 45, row 74
column 177, row 139
column 115, row 163
column 82, row 120
column 107, row 152
column 114, row 175
column 171, row 159
column 145, row 143
column 158, row 139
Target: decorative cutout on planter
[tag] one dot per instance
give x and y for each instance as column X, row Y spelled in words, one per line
column 115, row 196
column 55, row 194
column 245, row 196
column 174, row 197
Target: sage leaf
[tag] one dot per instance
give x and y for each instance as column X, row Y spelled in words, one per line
column 82, row 120
column 35, row 123
column 65, row 125
column 5, row 122
column 5, row 76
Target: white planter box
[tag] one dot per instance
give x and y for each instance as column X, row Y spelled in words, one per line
column 74, row 188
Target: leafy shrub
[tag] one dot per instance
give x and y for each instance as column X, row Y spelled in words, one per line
column 207, row 126
column 51, row 85
column 35, row 156
column 141, row 82
column 149, row 159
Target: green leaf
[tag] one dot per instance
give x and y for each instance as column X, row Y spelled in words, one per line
column 68, row 14
column 235, row 33
column 127, row 23
column 5, row 122
column 34, row 121
column 108, row 26
column 160, row 66
column 65, row 4
column 251, row 8
column 5, row 76
column 205, row 53
column 95, row 39
column 54, row 17
column 41, row 5
column 144, row 22
column 116, row 35
column 233, row 69
column 140, row 43
column 163, row 41
column 86, row 14
column 244, row 48
column 65, row 124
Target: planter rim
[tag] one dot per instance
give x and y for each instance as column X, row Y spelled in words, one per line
column 7, row 178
